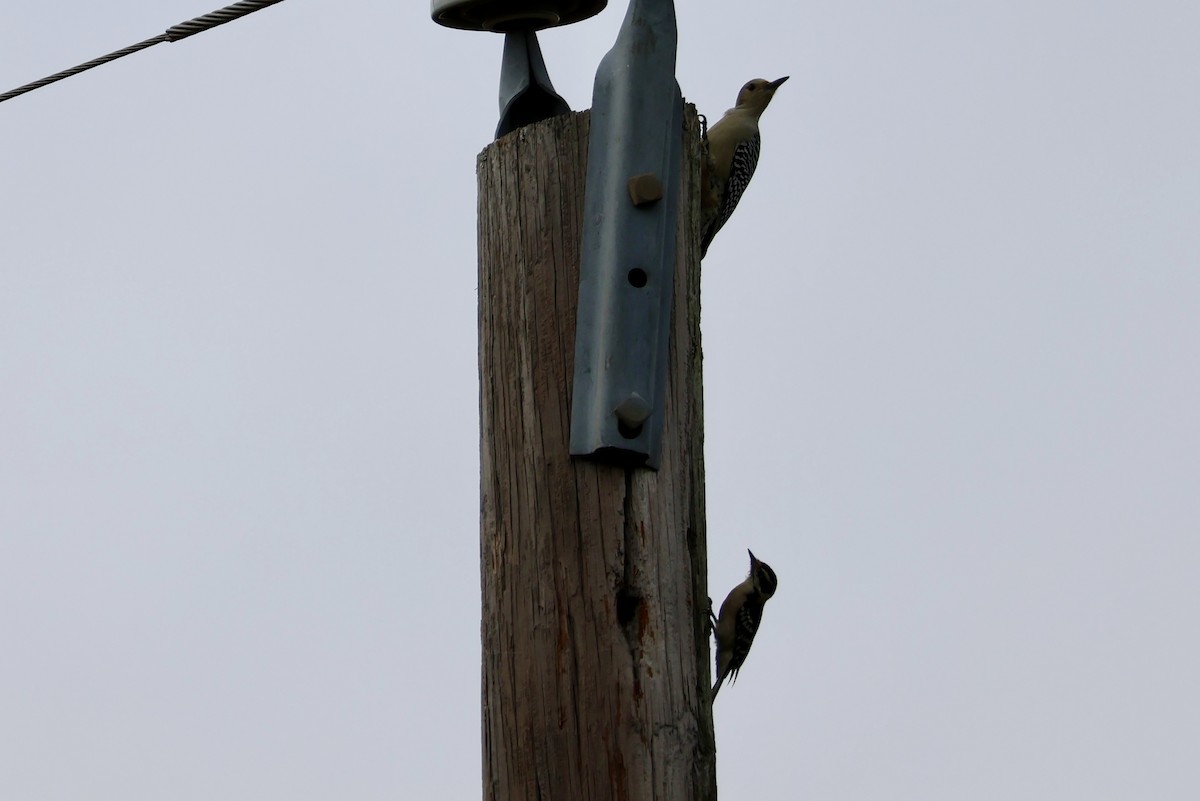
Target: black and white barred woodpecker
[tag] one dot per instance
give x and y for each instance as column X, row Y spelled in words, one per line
column 741, row 615
column 733, row 147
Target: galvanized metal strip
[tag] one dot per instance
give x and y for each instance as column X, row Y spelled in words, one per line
column 627, row 262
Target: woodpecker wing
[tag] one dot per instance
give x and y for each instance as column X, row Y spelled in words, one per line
column 741, row 170
column 748, row 619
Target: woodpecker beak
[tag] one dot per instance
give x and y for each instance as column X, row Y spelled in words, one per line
column 753, row 560
column 776, row 84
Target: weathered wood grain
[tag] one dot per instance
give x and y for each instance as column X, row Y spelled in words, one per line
column 595, row 647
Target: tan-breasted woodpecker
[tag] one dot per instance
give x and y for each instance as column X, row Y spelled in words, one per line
column 733, row 147
column 740, row 617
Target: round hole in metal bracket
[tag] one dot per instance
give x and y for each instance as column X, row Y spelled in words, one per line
column 629, row 432
column 638, row 278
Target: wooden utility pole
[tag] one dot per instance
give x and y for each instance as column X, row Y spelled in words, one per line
column 595, row 639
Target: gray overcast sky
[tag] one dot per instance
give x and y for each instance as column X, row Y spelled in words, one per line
column 951, row 387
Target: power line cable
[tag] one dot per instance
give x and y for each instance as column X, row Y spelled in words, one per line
column 173, row 34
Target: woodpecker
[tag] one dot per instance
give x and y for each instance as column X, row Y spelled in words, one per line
column 740, row 617
column 733, row 146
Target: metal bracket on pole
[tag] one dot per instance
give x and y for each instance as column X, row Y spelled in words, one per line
column 526, row 94
column 627, row 261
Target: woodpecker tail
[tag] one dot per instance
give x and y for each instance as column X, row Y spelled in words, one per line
column 716, row 687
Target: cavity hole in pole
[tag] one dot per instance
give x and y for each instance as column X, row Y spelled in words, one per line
column 637, row 277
